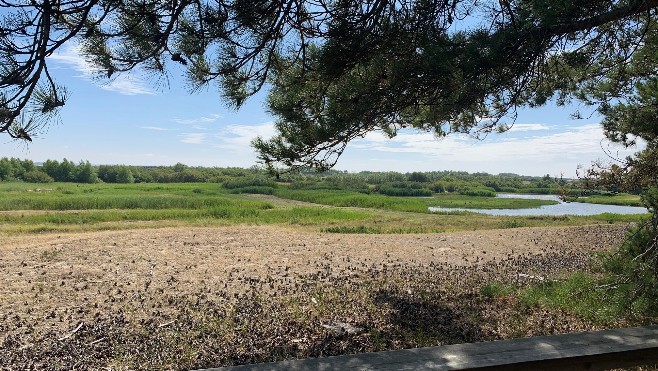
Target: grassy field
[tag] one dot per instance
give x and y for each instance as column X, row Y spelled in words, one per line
column 621, row 199
column 343, row 198
column 265, row 289
column 27, row 208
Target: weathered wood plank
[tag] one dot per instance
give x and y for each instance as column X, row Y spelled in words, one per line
column 597, row 350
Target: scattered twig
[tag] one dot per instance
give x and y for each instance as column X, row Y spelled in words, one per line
column 167, row 323
column 96, row 341
column 652, row 246
column 72, row 333
column 531, row 277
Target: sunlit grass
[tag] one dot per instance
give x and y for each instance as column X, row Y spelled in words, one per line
column 66, row 207
column 344, row 198
column 621, row 199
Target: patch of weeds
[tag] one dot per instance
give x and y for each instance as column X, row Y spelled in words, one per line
column 580, row 294
column 220, row 212
column 358, row 229
column 512, row 224
column 555, row 218
column 50, row 254
column 41, row 229
column 496, row 290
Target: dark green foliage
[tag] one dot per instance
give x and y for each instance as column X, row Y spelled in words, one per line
column 249, row 182
column 406, row 71
column 36, row 176
column 404, row 191
column 15, row 169
column 412, row 189
column 478, row 192
column 633, row 284
column 85, row 173
column 419, row 177
column 338, row 70
column 540, row 191
column 61, row 172
column 389, row 183
column 263, row 190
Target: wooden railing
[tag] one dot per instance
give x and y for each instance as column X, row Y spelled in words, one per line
column 597, row 350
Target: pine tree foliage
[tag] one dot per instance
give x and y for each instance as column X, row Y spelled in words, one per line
column 339, row 69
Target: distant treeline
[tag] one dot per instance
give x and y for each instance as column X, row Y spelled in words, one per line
column 256, row 180
column 13, row 169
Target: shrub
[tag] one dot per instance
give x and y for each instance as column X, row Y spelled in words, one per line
column 478, row 192
column 36, row 176
column 404, row 192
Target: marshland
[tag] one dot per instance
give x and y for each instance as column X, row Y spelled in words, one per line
column 236, row 267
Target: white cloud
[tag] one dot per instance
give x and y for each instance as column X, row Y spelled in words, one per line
column 193, row 138
column 533, row 155
column 157, row 128
column 127, row 85
column 237, row 138
column 575, row 141
column 529, row 127
column 124, row 83
column 199, row 121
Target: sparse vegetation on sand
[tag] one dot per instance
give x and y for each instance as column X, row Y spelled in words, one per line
column 201, row 297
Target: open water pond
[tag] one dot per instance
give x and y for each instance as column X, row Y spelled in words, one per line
column 561, row 208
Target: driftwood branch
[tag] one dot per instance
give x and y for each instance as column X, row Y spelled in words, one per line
column 72, row 333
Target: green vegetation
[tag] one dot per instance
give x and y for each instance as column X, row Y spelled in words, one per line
column 26, row 207
column 580, row 294
column 410, row 204
column 618, row 286
column 621, row 199
column 124, row 197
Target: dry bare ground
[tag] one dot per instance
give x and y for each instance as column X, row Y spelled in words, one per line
column 185, row 298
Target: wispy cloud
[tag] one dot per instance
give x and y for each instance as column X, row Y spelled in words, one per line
column 529, row 127
column 564, row 150
column 193, row 138
column 199, row 121
column 127, row 84
column 237, row 138
column 577, row 140
column 157, row 128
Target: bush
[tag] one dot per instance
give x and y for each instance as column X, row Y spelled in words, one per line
column 439, row 187
column 419, row 177
column 539, row 191
column 404, row 192
column 478, row 192
column 36, row 176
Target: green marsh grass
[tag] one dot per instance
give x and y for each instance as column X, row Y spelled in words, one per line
column 62, row 207
column 621, row 199
column 344, row 198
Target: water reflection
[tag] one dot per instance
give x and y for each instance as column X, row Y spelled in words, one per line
column 561, row 208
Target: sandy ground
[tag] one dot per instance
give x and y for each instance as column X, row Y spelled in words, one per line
column 52, row 283
column 51, row 272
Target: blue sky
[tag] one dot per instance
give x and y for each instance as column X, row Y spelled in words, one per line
column 137, row 120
